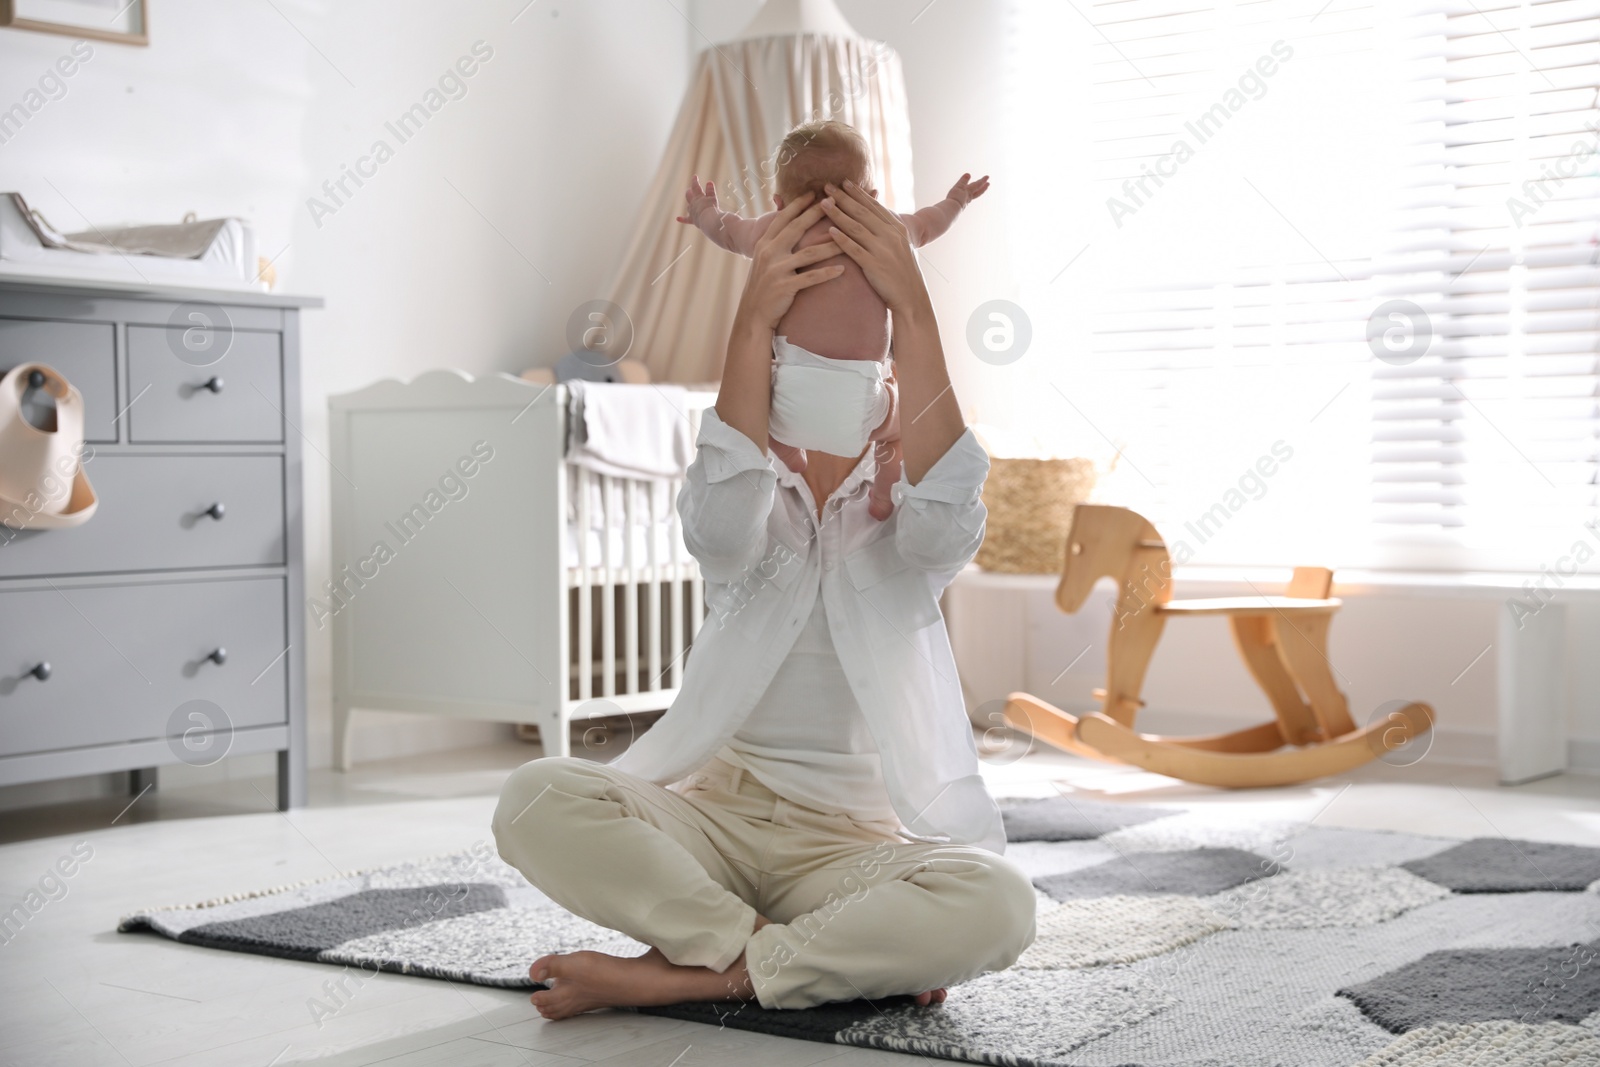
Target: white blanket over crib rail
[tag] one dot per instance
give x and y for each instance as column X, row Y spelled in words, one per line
column 632, row 431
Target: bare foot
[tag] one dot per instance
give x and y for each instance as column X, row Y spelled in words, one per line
column 585, row 981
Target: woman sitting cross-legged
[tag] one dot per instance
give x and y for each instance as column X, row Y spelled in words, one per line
column 828, row 836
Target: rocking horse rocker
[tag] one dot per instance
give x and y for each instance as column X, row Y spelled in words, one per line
column 1284, row 643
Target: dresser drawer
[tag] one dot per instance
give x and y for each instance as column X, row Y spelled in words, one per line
column 85, row 355
column 153, row 516
column 173, row 403
column 125, row 659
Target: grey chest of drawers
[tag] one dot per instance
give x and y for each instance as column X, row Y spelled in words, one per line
column 167, row 628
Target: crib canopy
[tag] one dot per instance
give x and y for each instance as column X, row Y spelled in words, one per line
column 798, row 60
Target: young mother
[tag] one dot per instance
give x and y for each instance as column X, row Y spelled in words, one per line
column 833, row 839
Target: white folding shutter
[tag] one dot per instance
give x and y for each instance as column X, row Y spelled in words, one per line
column 1487, row 447
column 1215, row 319
column 1252, row 321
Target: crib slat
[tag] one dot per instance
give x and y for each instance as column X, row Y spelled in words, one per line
column 585, row 640
column 630, row 605
column 608, row 603
column 653, row 612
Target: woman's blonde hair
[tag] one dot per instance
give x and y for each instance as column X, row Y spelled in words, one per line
column 816, row 153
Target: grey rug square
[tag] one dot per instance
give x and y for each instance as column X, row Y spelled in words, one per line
column 1333, row 847
column 306, row 932
column 1196, row 872
column 812, row 1024
column 1501, row 865
column 1526, row 985
column 1067, row 818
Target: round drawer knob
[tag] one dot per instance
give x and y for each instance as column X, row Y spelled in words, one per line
column 36, row 379
column 215, row 385
column 42, row 670
column 219, row 656
column 216, row 511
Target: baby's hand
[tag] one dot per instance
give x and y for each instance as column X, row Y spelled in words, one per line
column 966, row 190
column 698, row 199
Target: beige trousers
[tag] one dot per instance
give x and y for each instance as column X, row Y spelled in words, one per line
column 855, row 910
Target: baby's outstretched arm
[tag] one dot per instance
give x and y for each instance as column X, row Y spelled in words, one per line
column 931, row 222
column 725, row 228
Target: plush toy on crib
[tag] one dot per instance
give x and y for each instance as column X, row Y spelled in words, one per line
column 573, row 365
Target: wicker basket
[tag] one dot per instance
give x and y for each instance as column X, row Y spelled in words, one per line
column 1030, row 504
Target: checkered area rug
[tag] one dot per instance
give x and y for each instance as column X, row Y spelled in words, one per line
column 1164, row 939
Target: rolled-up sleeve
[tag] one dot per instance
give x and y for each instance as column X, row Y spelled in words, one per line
column 941, row 518
column 726, row 498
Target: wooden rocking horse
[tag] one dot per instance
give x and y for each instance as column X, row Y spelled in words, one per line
column 1284, row 642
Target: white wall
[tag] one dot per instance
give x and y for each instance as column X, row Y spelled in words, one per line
column 210, row 118
column 471, row 246
column 247, row 108
column 238, row 109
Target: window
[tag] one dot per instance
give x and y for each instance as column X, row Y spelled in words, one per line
column 1322, row 277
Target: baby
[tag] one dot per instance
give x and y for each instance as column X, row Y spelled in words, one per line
column 831, row 387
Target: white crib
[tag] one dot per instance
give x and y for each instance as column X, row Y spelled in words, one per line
column 514, row 588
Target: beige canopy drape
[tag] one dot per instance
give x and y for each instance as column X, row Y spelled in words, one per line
column 677, row 287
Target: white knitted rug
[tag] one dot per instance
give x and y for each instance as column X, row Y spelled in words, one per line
column 1170, row 941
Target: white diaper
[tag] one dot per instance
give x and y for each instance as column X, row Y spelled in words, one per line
column 831, row 405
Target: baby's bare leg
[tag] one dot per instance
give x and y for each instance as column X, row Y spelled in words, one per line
column 886, row 450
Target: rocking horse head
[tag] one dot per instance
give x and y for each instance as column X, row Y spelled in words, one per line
column 1110, row 542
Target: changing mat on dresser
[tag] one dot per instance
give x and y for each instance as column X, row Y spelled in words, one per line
column 213, row 252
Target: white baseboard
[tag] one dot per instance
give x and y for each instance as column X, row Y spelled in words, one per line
column 62, row 791
column 388, row 736
column 381, row 735
column 1583, row 756
column 377, row 736
column 1469, row 747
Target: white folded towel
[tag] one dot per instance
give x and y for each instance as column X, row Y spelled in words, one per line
column 631, row 431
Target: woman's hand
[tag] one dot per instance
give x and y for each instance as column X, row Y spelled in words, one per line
column 777, row 270
column 877, row 240
column 744, row 401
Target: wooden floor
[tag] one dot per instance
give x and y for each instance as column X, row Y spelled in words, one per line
column 72, row 991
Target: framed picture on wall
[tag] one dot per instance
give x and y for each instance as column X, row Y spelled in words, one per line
column 118, row 21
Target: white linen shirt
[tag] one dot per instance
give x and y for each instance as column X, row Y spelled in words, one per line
column 751, row 524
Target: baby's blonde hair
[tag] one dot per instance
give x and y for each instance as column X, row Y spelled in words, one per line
column 816, row 153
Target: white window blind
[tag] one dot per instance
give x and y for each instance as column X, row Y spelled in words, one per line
column 1282, row 258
